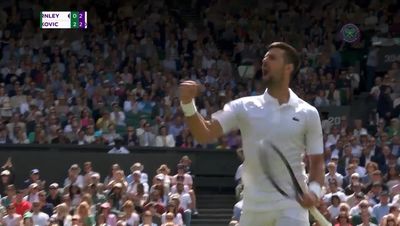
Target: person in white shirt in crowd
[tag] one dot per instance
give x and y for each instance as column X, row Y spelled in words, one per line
column 89, row 174
column 356, row 149
column 33, row 193
column 172, row 211
column 164, row 139
column 132, row 217
column 111, row 135
column 180, row 179
column 333, row 190
column 187, row 180
column 130, row 104
column 117, row 115
column 11, row 218
column 118, row 148
column 132, row 186
column 333, row 137
column 333, row 208
column 358, row 128
column 321, row 100
column 185, row 202
column 165, row 172
column 74, row 177
column 39, row 218
column 356, row 210
column 333, row 175
column 144, row 178
column 147, row 137
column 351, row 176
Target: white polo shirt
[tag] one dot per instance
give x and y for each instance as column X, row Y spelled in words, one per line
column 293, row 127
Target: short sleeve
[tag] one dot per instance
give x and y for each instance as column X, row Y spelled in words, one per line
column 314, row 138
column 228, row 117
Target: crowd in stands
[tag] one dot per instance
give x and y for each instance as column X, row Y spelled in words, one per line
column 118, row 80
column 120, row 77
column 88, row 198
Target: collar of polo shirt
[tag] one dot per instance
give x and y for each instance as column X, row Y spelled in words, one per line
column 293, row 98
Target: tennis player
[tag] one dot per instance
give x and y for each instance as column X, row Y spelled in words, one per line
column 280, row 116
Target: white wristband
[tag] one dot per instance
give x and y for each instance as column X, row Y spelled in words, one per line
column 315, row 188
column 189, row 109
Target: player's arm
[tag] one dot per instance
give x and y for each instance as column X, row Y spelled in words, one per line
column 204, row 131
column 314, row 148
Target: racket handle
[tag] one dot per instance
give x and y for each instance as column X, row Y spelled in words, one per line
column 322, row 221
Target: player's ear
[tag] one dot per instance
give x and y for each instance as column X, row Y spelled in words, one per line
column 289, row 68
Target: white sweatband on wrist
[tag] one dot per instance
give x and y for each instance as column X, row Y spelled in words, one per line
column 189, row 109
column 315, row 188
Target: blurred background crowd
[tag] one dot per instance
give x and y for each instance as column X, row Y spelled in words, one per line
column 117, row 82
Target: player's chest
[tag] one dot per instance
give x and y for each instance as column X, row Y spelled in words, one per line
column 283, row 121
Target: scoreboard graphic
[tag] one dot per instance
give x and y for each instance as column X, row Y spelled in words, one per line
column 63, row 20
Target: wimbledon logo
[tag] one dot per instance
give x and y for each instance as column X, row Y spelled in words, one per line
column 350, row 33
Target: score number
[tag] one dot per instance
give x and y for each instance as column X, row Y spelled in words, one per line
column 78, row 20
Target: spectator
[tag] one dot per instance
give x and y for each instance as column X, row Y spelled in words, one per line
column 147, row 219
column 117, row 115
column 147, row 138
column 132, row 217
column 61, row 216
column 130, row 138
column 45, row 207
column 34, row 178
column 164, row 139
column 118, row 148
column 21, row 206
column 382, row 208
column 172, row 215
column 343, row 219
column 38, row 217
column 74, row 177
column 85, row 216
column 54, row 196
column 11, row 218
column 111, row 218
column 6, row 177
column 333, row 175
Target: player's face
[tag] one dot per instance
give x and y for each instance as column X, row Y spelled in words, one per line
column 273, row 65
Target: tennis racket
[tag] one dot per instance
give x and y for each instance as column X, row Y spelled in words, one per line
column 276, row 175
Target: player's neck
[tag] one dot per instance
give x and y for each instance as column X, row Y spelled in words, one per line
column 280, row 93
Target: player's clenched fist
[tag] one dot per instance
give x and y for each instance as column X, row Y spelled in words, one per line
column 188, row 90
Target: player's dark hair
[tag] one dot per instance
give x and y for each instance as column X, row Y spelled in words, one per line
column 291, row 55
